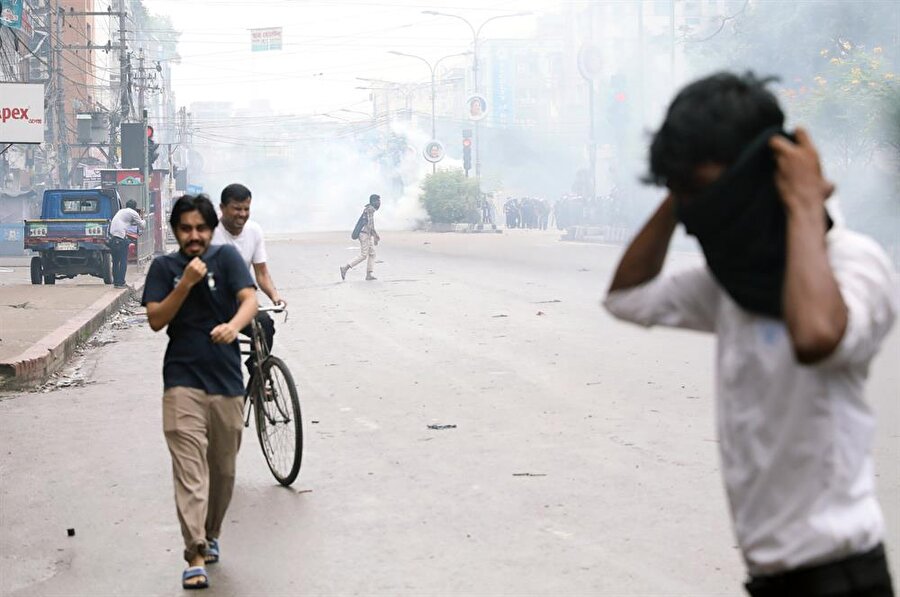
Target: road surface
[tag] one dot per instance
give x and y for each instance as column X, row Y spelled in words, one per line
column 583, row 462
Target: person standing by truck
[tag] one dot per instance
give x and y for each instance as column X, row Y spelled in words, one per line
column 118, row 241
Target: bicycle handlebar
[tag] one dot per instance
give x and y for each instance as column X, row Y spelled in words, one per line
column 279, row 308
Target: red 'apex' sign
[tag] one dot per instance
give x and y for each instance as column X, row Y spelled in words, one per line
column 13, row 114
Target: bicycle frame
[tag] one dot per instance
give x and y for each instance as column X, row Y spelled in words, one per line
column 258, row 350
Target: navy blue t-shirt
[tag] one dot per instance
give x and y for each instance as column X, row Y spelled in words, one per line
column 192, row 359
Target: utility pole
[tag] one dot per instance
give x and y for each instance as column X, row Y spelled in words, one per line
column 116, row 119
column 142, row 113
column 121, row 47
column 62, row 155
column 592, row 100
column 44, row 26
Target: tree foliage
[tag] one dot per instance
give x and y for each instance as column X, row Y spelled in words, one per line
column 450, row 198
column 836, row 65
column 848, row 102
column 839, row 66
column 785, row 38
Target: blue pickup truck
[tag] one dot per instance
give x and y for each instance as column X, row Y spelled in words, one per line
column 71, row 237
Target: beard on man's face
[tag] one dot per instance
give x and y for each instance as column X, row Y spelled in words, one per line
column 194, row 247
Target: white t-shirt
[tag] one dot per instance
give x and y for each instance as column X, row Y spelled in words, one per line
column 249, row 242
column 795, row 440
column 124, row 218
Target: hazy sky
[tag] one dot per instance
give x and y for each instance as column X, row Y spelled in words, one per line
column 327, row 44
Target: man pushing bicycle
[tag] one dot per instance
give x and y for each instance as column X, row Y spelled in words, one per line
column 205, row 295
column 236, row 229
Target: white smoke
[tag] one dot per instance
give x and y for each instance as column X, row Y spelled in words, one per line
column 323, row 184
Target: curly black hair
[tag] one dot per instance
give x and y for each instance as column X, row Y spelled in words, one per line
column 188, row 203
column 711, row 120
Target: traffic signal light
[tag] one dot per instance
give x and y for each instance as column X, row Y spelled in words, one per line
column 618, row 85
column 152, row 148
column 132, row 144
column 467, row 150
column 618, row 103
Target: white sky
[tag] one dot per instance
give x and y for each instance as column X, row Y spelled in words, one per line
column 327, row 44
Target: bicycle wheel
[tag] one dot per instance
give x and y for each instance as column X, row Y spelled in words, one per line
column 279, row 425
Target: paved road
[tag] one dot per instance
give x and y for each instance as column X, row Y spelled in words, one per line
column 499, row 335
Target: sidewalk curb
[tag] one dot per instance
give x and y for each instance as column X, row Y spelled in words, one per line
column 50, row 353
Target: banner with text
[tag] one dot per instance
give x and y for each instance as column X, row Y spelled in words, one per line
column 264, row 40
column 21, row 113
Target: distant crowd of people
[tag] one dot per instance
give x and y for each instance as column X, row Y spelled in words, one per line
column 526, row 212
column 568, row 210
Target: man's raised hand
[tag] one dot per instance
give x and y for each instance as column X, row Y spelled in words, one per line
column 194, row 272
column 799, row 176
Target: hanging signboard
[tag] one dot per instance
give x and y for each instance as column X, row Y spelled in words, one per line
column 21, row 113
column 11, row 13
column 434, row 151
column 476, row 107
column 590, row 62
column 264, row 40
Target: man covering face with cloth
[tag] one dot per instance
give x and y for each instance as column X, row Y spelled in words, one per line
column 799, row 308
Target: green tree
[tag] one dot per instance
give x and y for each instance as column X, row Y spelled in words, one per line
column 450, row 198
column 839, row 66
column 848, row 102
column 785, row 38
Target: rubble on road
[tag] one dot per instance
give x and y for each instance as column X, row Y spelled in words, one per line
column 73, row 375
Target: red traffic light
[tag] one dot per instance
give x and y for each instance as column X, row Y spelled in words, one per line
column 149, row 132
column 620, row 96
column 467, row 142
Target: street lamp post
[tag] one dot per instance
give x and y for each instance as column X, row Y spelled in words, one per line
column 476, row 33
column 433, row 69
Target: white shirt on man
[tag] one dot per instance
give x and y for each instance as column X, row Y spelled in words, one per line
column 124, row 218
column 249, row 242
column 795, row 440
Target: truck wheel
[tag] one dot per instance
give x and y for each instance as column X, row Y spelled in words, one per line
column 106, row 268
column 37, row 270
column 49, row 278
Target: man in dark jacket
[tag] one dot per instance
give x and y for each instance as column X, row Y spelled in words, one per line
column 205, row 295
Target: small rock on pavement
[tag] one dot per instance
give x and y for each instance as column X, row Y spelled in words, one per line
column 441, row 427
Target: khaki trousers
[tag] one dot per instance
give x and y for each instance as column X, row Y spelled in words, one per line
column 366, row 251
column 203, row 432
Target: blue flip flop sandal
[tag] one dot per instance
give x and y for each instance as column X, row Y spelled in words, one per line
column 194, row 572
column 212, row 551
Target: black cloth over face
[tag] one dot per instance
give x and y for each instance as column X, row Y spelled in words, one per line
column 741, row 225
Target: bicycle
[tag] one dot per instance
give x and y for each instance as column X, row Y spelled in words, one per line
column 272, row 392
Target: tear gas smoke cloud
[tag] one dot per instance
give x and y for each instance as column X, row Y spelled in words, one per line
column 323, row 184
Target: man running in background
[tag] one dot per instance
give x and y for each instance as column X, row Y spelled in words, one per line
column 368, row 240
